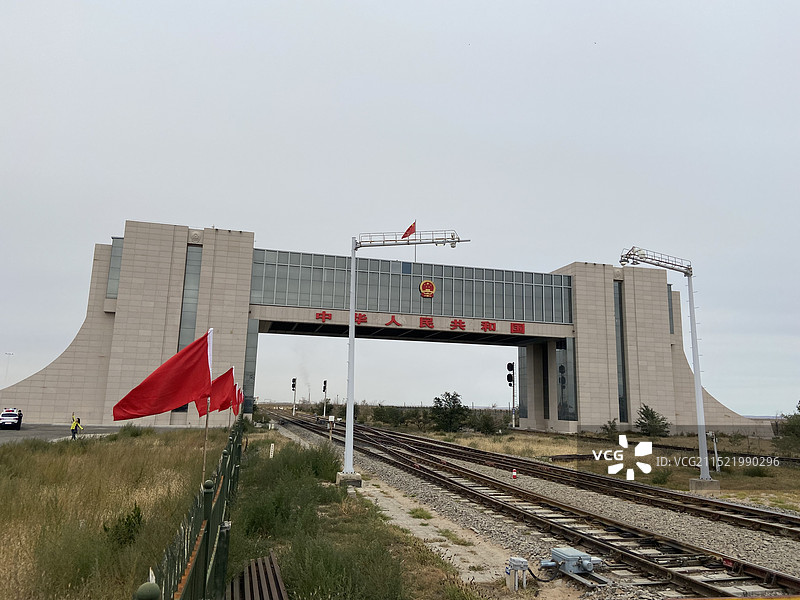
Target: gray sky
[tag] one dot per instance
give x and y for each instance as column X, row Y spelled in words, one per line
column 546, row 132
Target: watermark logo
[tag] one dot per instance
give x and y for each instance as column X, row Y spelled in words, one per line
column 641, row 449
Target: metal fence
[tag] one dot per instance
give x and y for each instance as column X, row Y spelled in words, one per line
column 195, row 563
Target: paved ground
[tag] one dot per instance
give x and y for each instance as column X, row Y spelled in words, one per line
column 50, row 432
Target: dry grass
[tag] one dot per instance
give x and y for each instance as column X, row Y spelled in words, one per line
column 57, row 497
column 780, row 489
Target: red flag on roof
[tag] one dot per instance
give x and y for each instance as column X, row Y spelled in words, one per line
column 222, row 391
column 184, row 378
column 410, row 231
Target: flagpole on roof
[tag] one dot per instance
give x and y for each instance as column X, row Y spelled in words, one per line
column 210, row 335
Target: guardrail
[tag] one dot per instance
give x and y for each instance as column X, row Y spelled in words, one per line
column 194, row 564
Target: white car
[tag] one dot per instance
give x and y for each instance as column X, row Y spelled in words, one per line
column 11, row 418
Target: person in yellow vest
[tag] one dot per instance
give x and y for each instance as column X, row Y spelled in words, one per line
column 76, row 422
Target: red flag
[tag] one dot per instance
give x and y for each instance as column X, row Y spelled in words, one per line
column 221, row 393
column 184, row 378
column 410, row 231
column 237, row 403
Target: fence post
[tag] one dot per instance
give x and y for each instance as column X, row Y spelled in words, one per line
column 208, row 500
column 147, row 591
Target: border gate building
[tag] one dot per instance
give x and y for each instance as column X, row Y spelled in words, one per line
column 595, row 341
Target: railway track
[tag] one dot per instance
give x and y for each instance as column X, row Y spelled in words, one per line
column 753, row 518
column 632, row 555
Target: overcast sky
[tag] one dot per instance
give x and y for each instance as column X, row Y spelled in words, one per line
column 545, row 132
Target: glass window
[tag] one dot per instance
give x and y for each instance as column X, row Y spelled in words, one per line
column 294, row 258
column 558, row 306
column 293, row 286
column 458, row 271
column 447, row 296
column 519, row 302
column 458, row 297
column 343, row 262
column 383, row 292
column 548, row 304
column 259, row 255
column 437, row 270
column 556, row 279
column 528, row 313
column 469, row 273
column 548, row 279
column 469, row 286
column 269, row 284
column 480, row 310
column 538, row 307
column 498, row 302
column 416, row 269
column 281, row 284
column 406, row 268
column 528, row 277
column 448, row 271
column 438, row 297
column 406, row 291
column 488, row 299
column 394, row 267
column 537, row 278
column 283, row 258
column 427, row 270
column 508, row 301
column 330, row 262
column 394, row 292
column 384, row 266
column 316, row 287
column 479, row 274
column 271, row 257
column 372, row 291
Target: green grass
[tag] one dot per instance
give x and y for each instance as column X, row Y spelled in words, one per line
column 328, row 544
column 87, row 518
column 453, row 537
column 420, row 513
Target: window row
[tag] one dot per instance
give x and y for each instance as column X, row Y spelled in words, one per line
column 285, row 285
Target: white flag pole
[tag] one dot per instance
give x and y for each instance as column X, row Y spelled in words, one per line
column 210, row 335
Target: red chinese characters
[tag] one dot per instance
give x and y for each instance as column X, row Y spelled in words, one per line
column 360, row 318
column 517, row 327
column 324, row 316
column 488, row 326
column 393, row 320
column 457, row 324
column 426, row 322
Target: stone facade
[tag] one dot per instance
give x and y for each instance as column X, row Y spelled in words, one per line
column 124, row 338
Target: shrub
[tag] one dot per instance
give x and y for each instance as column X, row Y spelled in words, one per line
column 123, row 531
column 756, row 471
column 610, row 430
column 660, row 476
column 652, row 423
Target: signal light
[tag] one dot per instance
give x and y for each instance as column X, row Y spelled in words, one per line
column 324, row 386
column 294, row 384
column 510, row 376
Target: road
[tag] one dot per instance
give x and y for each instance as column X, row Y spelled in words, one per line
column 50, row 432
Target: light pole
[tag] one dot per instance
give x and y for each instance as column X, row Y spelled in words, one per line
column 443, row 237
column 636, row 255
column 9, row 355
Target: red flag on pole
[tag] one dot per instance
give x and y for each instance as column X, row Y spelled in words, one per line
column 222, row 390
column 238, row 402
column 410, row 231
column 184, row 378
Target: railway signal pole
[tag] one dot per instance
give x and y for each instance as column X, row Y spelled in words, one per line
column 636, row 255
column 447, row 237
